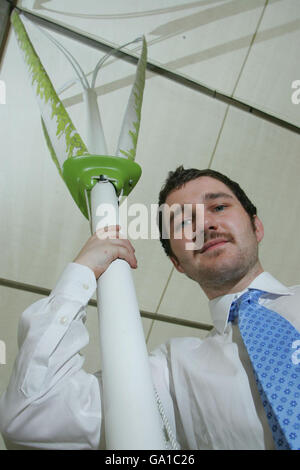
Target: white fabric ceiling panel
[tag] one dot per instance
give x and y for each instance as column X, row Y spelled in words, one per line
column 205, row 40
column 273, row 62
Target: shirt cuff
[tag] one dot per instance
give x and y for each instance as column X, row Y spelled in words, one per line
column 77, row 282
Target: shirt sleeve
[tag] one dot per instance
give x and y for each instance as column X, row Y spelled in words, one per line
column 51, row 402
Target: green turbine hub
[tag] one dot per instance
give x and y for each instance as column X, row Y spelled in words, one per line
column 82, row 173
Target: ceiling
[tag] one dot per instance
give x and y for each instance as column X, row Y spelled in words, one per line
column 245, row 50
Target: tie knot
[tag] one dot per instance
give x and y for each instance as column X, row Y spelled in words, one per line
column 233, row 312
column 251, row 295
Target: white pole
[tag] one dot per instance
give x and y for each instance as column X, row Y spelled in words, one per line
column 132, row 420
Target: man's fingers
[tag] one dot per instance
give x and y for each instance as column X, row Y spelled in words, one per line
column 125, row 248
column 105, row 246
column 124, row 252
column 119, row 247
column 110, row 231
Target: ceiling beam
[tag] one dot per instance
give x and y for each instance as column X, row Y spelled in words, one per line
column 151, row 316
column 6, row 7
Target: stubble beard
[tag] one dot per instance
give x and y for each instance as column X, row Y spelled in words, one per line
column 227, row 273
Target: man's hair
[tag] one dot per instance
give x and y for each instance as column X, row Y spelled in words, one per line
column 176, row 179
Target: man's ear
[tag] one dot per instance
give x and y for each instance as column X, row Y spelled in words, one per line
column 259, row 228
column 176, row 264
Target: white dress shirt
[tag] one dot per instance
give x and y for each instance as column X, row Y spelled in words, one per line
column 206, row 385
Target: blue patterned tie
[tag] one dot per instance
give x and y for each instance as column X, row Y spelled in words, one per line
column 271, row 342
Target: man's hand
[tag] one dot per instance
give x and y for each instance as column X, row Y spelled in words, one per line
column 104, row 247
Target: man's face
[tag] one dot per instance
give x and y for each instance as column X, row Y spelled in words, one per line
column 230, row 248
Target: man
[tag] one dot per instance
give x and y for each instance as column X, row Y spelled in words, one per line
column 207, row 387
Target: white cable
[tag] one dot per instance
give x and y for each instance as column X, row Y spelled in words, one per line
column 168, row 431
column 109, row 54
column 67, row 85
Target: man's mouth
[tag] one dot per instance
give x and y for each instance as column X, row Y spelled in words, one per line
column 213, row 244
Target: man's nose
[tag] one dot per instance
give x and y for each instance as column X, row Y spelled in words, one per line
column 210, row 222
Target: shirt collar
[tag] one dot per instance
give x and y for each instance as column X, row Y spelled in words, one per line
column 220, row 306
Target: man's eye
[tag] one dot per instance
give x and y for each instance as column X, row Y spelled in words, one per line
column 186, row 222
column 179, row 225
column 220, row 207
